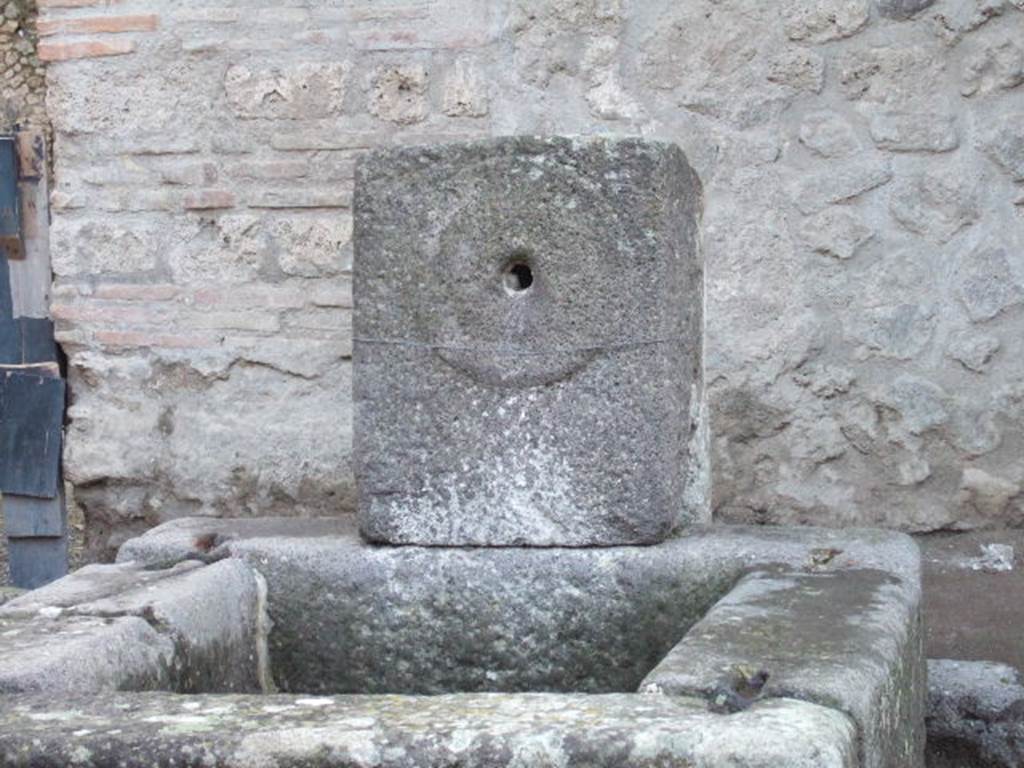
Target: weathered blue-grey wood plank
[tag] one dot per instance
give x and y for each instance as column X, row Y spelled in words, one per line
column 35, row 562
column 37, row 344
column 31, row 417
column 6, row 178
column 10, row 203
column 30, row 275
column 31, row 517
column 26, row 340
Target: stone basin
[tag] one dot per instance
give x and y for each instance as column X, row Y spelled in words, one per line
column 280, row 642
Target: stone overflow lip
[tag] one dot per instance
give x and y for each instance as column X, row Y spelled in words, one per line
column 280, row 642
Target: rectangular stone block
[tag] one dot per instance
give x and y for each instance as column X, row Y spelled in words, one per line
column 849, row 640
column 528, row 320
column 65, row 655
column 430, row 620
column 465, row 730
column 189, row 628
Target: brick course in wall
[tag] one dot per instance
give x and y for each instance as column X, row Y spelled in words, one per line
column 864, row 233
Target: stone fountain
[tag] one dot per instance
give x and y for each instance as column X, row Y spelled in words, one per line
column 533, row 580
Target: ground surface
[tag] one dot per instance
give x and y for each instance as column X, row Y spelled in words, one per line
column 973, row 610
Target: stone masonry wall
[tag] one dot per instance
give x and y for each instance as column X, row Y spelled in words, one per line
column 23, row 82
column 863, row 162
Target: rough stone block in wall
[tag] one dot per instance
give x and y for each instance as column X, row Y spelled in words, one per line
column 527, row 342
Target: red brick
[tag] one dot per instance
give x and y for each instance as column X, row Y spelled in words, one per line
column 135, row 292
column 91, row 25
column 209, row 199
column 70, row 290
column 72, row 3
column 264, row 296
column 95, row 313
column 87, row 49
column 70, row 336
column 301, row 197
column 382, row 14
column 330, row 320
column 113, row 199
column 272, row 169
column 257, row 321
column 339, row 295
column 148, row 339
column 329, row 139
column 206, row 15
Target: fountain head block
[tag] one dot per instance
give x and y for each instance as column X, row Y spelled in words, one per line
column 528, row 333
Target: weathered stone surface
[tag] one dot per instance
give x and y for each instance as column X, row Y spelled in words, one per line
column 802, row 70
column 307, row 90
column 82, row 655
column 902, row 9
column 475, row 731
column 828, row 134
column 91, row 583
column 920, row 403
column 820, row 21
column 206, row 622
column 465, row 91
column 840, row 182
column 312, row 248
column 900, row 331
column 973, row 350
column 985, row 282
column 825, row 381
column 352, row 617
column 849, row 640
column 993, row 68
column 975, row 715
column 896, row 73
column 835, row 232
column 527, row 342
column 398, row 94
column 983, row 495
column 189, row 405
column 915, row 132
column 935, row 204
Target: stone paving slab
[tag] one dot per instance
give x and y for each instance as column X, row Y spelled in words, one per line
column 468, row 730
column 355, row 618
column 849, row 640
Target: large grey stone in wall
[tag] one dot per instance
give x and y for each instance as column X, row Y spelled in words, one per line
column 528, row 318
